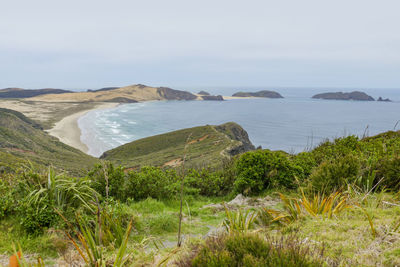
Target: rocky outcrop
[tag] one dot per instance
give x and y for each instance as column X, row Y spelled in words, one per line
column 264, row 93
column 380, row 99
column 203, row 93
column 172, row 94
column 26, row 93
column 236, row 132
column 355, row 95
column 213, row 97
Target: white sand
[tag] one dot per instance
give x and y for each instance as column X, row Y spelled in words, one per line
column 68, row 131
column 238, row 97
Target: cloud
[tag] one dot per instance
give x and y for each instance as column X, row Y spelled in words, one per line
column 67, row 38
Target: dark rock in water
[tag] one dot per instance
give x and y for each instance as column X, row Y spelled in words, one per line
column 356, row 95
column 380, row 99
column 264, row 93
column 213, row 97
column 203, row 93
column 172, row 94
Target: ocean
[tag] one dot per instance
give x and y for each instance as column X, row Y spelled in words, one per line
column 293, row 124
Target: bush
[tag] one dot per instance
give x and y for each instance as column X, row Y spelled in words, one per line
column 340, row 147
column 261, row 169
column 253, row 250
column 7, row 199
column 152, row 182
column 114, row 177
column 208, row 183
column 335, row 174
column 389, row 170
column 306, row 162
column 35, row 217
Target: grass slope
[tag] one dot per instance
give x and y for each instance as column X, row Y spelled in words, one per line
column 207, row 146
column 22, row 139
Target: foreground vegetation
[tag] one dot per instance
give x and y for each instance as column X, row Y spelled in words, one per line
column 337, row 205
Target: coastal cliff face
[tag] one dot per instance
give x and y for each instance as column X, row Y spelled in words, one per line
column 172, row 94
column 236, row 132
column 264, row 93
column 355, row 95
column 207, row 146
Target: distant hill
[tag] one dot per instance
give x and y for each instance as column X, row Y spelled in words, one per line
column 27, row 93
column 208, row 146
column 355, row 95
column 203, row 93
column 132, row 93
column 23, row 140
column 264, row 93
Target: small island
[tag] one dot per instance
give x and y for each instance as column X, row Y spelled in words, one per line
column 380, row 99
column 355, row 95
column 264, row 93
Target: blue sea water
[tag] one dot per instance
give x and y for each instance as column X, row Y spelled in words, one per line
column 293, row 124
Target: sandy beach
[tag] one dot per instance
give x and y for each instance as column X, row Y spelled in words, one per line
column 68, row 131
column 238, row 97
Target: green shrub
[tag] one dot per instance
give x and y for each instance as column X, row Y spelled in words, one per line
column 335, row 174
column 340, row 147
column 35, row 217
column 152, row 182
column 106, row 175
column 38, row 195
column 7, row 199
column 261, row 169
column 250, row 250
column 306, row 161
column 389, row 170
column 208, row 183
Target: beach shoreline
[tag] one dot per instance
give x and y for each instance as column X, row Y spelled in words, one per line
column 68, row 131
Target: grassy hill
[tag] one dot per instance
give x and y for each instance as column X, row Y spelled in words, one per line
column 127, row 94
column 207, row 146
column 22, row 139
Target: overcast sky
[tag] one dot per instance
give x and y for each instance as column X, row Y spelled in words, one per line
column 98, row 43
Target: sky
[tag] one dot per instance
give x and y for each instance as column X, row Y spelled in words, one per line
column 86, row 44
